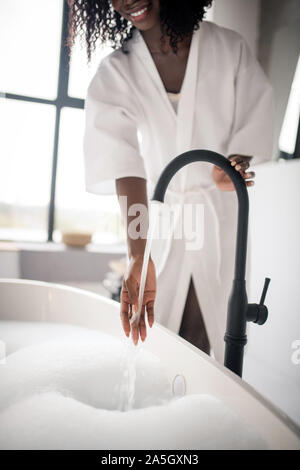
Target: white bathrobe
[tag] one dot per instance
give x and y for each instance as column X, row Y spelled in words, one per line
column 132, row 129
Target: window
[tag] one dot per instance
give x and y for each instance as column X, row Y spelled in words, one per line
column 26, row 151
column 289, row 136
column 42, row 190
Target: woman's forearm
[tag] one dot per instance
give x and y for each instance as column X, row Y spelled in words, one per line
column 135, row 191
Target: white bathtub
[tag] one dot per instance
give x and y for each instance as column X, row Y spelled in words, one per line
column 22, row 300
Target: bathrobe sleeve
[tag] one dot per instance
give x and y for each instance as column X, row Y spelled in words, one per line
column 253, row 123
column 110, row 144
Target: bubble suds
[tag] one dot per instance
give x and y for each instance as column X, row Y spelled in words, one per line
column 71, row 393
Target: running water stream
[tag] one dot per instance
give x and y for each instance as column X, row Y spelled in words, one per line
column 127, row 388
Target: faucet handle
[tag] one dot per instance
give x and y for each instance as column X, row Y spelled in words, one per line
column 258, row 313
column 264, row 292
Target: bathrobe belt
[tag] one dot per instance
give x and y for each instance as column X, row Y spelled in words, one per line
column 182, row 197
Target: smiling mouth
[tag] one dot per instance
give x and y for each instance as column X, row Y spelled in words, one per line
column 140, row 14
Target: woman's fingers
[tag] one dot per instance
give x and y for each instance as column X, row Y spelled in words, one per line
column 132, row 288
column 248, row 175
column 248, row 178
column 124, row 317
column 241, row 166
column 142, row 325
column 240, row 162
column 129, row 293
column 150, row 313
column 134, row 332
column 137, row 329
column 235, row 160
column 124, row 310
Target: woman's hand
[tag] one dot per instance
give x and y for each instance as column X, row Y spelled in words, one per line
column 129, row 298
column 241, row 164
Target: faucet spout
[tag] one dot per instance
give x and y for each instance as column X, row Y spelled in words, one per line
column 237, row 314
column 242, row 194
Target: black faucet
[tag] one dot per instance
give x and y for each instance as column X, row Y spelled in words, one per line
column 239, row 311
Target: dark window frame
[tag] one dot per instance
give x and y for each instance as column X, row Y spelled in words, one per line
column 62, row 100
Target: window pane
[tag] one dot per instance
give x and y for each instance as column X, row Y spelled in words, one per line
column 288, row 135
column 75, row 209
column 81, row 73
column 29, row 46
column 26, row 148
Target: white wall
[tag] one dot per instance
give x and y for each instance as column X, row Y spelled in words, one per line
column 275, row 236
column 240, row 15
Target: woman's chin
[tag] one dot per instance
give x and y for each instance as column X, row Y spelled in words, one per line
column 144, row 27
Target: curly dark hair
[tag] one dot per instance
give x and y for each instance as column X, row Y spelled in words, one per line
column 92, row 20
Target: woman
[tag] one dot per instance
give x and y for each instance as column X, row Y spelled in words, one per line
column 183, row 84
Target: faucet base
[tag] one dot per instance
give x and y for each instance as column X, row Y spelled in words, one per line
column 234, row 353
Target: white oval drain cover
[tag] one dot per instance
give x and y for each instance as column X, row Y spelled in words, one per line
column 179, row 386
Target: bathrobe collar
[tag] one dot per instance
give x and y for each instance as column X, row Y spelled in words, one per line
column 183, row 120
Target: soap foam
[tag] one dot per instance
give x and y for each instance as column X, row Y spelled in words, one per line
column 89, row 371
column 18, row 334
column 53, row 421
column 66, row 393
